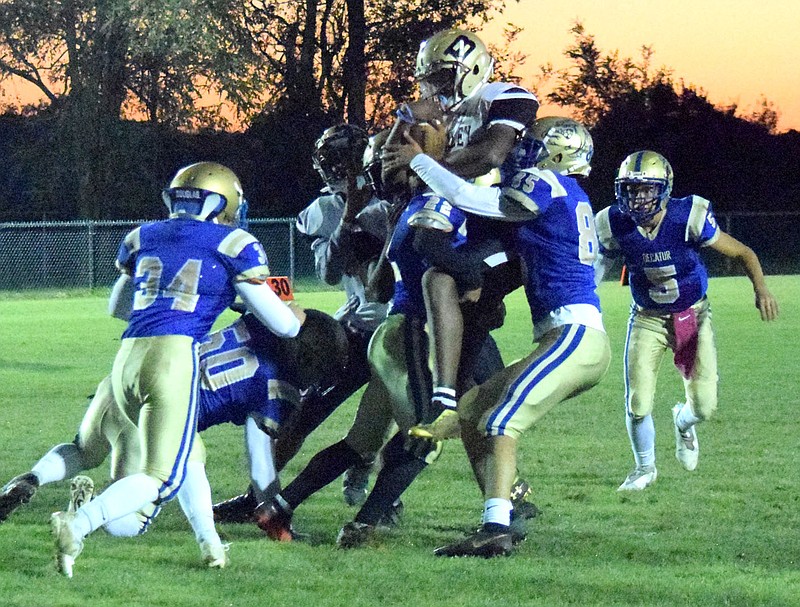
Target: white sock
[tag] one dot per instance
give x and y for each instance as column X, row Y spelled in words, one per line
column 195, row 499
column 62, row 461
column 642, row 433
column 497, row 510
column 123, row 497
column 686, row 418
column 260, row 457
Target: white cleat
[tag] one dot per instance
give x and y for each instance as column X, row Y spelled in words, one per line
column 687, row 449
column 68, row 545
column 81, row 491
column 215, row 554
column 639, row 479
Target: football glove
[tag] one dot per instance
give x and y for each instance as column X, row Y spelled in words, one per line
column 444, row 427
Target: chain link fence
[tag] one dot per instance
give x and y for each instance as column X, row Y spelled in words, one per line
column 64, row 255
column 81, row 254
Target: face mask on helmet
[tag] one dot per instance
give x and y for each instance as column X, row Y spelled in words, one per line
column 561, row 145
column 207, row 191
column 451, row 66
column 338, row 152
column 643, row 185
column 373, row 167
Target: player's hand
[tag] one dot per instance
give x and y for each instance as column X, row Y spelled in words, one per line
column 767, row 305
column 397, row 156
column 444, row 427
column 372, row 311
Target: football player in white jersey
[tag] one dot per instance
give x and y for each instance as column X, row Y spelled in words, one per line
column 555, row 237
column 659, row 238
column 349, row 227
column 349, row 224
column 484, row 121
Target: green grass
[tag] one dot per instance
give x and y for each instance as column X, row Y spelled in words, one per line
column 726, row 534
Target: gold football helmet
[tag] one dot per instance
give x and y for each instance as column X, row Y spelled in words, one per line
column 561, row 145
column 451, row 65
column 643, row 185
column 207, row 191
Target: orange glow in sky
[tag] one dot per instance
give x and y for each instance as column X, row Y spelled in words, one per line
column 737, row 51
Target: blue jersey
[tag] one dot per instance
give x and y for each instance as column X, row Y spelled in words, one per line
column 184, row 271
column 408, row 265
column 242, row 374
column 664, row 268
column 557, row 247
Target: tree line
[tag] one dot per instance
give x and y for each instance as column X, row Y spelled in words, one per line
column 133, row 90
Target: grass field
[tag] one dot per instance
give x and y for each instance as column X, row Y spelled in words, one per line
column 726, row 534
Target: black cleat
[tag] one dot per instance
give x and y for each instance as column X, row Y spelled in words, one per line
column 483, row 543
column 355, row 535
column 19, row 490
column 237, row 509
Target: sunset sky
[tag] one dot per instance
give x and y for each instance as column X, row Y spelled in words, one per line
column 737, row 51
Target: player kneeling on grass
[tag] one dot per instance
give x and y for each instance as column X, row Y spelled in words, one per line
column 248, row 377
column 659, row 239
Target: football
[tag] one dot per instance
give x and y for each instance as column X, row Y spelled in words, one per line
column 431, row 138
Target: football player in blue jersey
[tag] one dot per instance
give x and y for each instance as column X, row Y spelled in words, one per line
column 555, row 238
column 659, row 239
column 182, row 273
column 397, row 395
column 248, row 377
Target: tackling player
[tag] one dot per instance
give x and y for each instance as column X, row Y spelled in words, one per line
column 248, row 377
column 183, row 272
column 555, row 237
column 659, row 239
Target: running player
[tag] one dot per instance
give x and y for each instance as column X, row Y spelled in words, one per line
column 659, row 239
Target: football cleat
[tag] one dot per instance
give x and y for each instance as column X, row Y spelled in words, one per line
column 68, row 545
column 392, row 517
column 639, row 479
column 687, row 449
column 483, row 543
column 237, row 509
column 520, row 491
column 274, row 521
column 81, row 491
column 355, row 535
column 19, row 490
column 444, row 427
column 355, row 483
column 215, row 554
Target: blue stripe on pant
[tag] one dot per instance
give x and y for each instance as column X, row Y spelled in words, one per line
column 533, row 374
